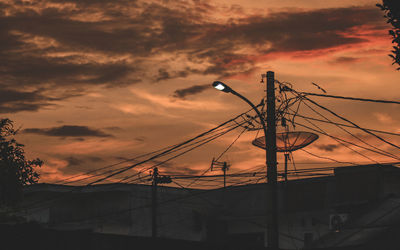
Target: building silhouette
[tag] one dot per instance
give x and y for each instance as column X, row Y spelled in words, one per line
column 357, row 207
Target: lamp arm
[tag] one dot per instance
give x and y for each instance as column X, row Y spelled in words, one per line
column 254, row 108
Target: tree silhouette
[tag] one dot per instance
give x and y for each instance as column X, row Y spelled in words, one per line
column 392, row 14
column 15, row 170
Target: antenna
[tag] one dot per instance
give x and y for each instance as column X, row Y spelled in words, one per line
column 220, row 165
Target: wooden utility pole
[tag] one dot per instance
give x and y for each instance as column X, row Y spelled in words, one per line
column 154, row 203
column 272, row 191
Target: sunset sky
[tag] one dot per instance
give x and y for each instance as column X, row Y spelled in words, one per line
column 92, row 82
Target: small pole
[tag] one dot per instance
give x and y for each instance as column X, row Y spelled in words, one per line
column 272, row 191
column 223, row 166
column 154, row 203
column 286, row 160
column 224, row 169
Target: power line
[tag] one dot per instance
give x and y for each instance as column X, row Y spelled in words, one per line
column 342, row 124
column 169, row 150
column 65, row 181
column 286, row 88
column 166, row 151
column 329, row 121
column 345, row 130
column 325, row 157
column 340, row 142
column 226, row 150
column 341, row 117
column 216, row 177
column 204, row 141
column 194, row 181
column 350, row 98
column 254, row 174
column 207, row 139
column 333, row 137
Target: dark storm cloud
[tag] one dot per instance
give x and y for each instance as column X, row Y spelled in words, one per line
column 27, row 64
column 308, row 30
column 24, row 63
column 36, row 70
column 288, row 31
column 163, row 74
column 150, row 29
column 95, row 2
column 182, row 93
column 12, row 101
column 135, row 34
column 284, row 32
column 67, row 131
column 328, row 147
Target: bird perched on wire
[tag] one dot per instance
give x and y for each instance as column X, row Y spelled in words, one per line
column 323, row 90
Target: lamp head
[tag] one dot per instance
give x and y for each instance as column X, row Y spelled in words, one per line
column 222, row 86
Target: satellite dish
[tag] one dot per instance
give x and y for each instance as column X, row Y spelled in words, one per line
column 288, row 141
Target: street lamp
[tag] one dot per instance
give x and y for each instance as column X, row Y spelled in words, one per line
column 222, row 87
column 270, row 155
column 225, row 88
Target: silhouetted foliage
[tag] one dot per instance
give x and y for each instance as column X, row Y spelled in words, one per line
column 15, row 170
column 392, row 14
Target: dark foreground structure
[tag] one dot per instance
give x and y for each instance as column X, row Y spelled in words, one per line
column 33, row 236
column 358, row 207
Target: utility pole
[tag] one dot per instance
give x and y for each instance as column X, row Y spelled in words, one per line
column 272, row 191
column 154, row 203
column 157, row 178
column 270, row 154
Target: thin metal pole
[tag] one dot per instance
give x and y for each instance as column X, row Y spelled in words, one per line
column 154, row 203
column 224, row 169
column 286, row 160
column 272, row 195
